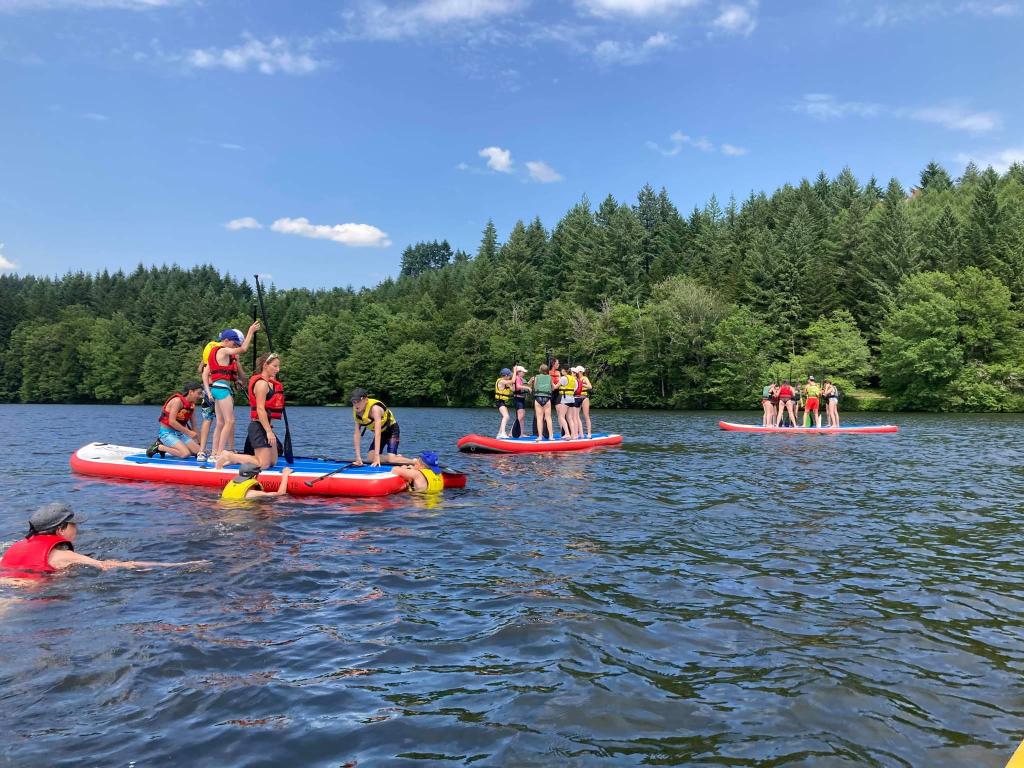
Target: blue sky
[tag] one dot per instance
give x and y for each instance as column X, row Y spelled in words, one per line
column 314, row 140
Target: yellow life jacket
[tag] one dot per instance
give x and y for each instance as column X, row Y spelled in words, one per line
column 435, row 483
column 236, row 491
column 206, row 351
column 812, row 390
column 502, row 394
column 569, row 389
column 366, row 420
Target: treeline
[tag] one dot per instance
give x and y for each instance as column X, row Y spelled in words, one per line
column 918, row 292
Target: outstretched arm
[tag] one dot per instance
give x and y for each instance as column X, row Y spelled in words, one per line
column 65, row 558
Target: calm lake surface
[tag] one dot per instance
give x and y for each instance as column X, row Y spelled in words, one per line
column 694, row 597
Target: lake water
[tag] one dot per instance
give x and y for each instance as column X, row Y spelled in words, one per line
column 694, row 597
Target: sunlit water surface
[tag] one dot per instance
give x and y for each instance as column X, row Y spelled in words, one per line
column 694, row 597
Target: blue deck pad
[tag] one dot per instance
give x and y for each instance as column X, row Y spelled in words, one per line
column 301, row 465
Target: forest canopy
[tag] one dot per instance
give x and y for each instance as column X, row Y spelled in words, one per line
column 919, row 292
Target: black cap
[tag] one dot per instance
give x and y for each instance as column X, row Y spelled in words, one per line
column 249, row 470
column 358, row 394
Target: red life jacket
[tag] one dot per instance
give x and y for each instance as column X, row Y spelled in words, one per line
column 275, row 398
column 28, row 558
column 220, row 372
column 184, row 412
column 786, row 391
column 578, row 392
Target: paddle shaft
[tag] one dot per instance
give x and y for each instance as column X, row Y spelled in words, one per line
column 315, row 480
column 288, row 455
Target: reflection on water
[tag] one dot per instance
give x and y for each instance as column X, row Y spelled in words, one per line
column 691, row 598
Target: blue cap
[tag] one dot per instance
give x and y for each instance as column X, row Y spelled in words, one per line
column 232, row 334
column 429, row 458
column 505, row 372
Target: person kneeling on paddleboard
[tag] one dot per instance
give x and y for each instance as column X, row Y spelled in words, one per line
column 366, row 411
column 49, row 547
column 424, row 474
column 246, row 485
column 177, row 433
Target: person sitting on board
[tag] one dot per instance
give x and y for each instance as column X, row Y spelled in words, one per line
column 812, row 391
column 246, row 485
column 266, row 403
column 502, row 397
column 424, row 474
column 540, row 384
column 367, row 411
column 50, row 547
column 768, row 418
column 785, row 404
column 520, row 391
column 177, row 434
column 207, row 414
column 220, row 376
column 830, row 393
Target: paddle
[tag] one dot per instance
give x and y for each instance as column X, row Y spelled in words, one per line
column 325, row 475
column 254, row 344
column 349, row 463
column 288, row 455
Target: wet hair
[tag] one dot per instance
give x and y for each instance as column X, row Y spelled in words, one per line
column 542, row 368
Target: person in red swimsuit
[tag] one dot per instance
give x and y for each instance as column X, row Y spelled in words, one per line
column 786, row 395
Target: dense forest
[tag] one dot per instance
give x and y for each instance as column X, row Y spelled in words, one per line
column 917, row 292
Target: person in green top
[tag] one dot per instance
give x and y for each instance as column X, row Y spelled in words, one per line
column 541, row 387
column 812, row 393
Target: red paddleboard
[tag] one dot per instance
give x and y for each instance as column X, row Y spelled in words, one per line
column 866, row 430
column 482, row 444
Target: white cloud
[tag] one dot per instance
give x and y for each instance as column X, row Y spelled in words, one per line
column 957, row 119
column 95, row 117
column 542, row 172
column 46, row 5
column 615, row 52
column 1001, row 160
column 908, row 11
column 6, row 265
column 246, row 222
column 823, row 106
column 637, row 8
column 498, row 159
column 346, row 234
column 679, row 140
column 269, row 58
column 233, row 147
column 380, row 21
column 736, row 19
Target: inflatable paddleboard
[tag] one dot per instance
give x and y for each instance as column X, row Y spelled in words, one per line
column 866, row 430
column 127, row 463
column 482, row 444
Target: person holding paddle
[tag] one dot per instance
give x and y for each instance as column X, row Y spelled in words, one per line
column 266, row 404
column 220, row 375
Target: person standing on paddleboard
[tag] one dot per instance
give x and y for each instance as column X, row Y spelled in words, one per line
column 786, row 395
column 541, row 386
column 223, row 372
column 520, row 390
column 502, row 397
column 207, row 414
column 830, row 392
column 812, row 391
column 177, row 434
column 768, row 418
column 49, row 547
column 367, row 411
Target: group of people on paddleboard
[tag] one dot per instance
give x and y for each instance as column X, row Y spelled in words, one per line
column 221, row 373
column 568, row 388
column 783, row 404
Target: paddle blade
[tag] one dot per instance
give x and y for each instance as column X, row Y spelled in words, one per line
column 289, row 456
